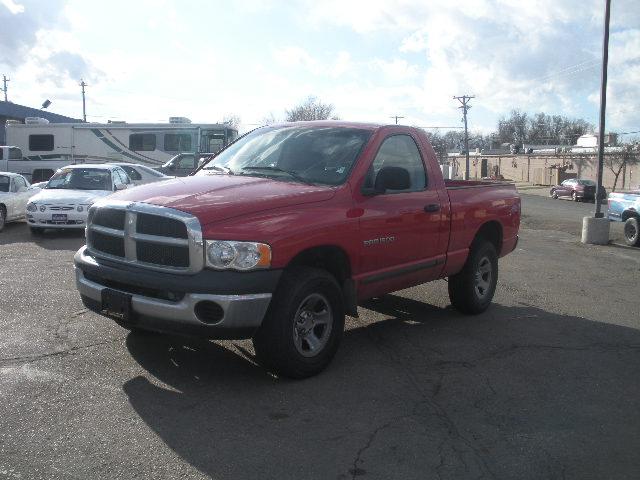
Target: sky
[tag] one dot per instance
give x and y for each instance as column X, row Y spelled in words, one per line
column 145, row 61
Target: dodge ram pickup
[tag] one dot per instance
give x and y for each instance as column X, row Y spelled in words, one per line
column 285, row 231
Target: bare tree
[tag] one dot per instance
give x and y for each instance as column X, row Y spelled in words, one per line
column 618, row 161
column 269, row 119
column 232, row 120
column 311, row 109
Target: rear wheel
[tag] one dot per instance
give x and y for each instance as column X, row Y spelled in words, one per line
column 472, row 290
column 632, row 232
column 574, row 197
column 303, row 326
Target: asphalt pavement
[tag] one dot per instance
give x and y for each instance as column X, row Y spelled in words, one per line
column 545, row 384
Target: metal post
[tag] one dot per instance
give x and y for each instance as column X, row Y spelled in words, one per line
column 4, row 81
column 466, row 146
column 84, row 110
column 603, row 107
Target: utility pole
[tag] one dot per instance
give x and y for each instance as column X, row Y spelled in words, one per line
column 84, row 110
column 603, row 107
column 464, row 100
column 396, row 117
column 4, row 89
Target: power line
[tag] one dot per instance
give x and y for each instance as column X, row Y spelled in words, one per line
column 4, row 89
column 464, row 100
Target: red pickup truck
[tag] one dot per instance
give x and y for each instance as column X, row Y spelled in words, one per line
column 285, row 231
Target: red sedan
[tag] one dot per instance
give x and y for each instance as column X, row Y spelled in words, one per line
column 577, row 189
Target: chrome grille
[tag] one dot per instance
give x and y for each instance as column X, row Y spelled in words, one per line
column 148, row 236
column 58, row 208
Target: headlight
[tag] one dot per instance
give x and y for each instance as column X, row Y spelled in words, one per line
column 42, row 208
column 31, row 207
column 225, row 254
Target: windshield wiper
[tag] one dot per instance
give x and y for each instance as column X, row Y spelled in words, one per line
column 277, row 169
column 219, row 168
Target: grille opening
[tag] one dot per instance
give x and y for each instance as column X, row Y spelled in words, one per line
column 136, row 289
column 110, row 218
column 208, row 312
column 106, row 243
column 161, row 226
column 159, row 254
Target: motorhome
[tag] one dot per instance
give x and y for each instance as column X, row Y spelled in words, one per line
column 44, row 147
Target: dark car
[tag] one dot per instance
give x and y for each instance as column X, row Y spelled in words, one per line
column 577, row 189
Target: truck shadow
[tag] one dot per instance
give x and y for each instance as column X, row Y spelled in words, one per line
column 516, row 392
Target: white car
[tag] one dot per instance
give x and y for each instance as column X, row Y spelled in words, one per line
column 14, row 195
column 64, row 201
column 141, row 174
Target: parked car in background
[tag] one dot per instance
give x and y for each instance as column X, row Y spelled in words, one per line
column 65, row 200
column 625, row 207
column 141, row 174
column 14, row 195
column 286, row 231
column 578, row 189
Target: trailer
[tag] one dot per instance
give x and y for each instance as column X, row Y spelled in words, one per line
column 45, row 146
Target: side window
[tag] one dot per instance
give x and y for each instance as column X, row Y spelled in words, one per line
column 142, row 142
column 20, row 182
column 177, row 142
column 400, row 151
column 41, row 143
column 14, row 154
column 132, row 172
column 188, row 161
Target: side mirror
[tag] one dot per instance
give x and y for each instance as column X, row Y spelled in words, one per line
column 392, row 178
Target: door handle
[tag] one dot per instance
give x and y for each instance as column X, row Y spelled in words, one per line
column 432, row 207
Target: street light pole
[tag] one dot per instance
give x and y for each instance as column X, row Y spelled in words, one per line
column 603, row 107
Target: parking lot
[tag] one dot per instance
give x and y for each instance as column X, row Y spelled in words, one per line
column 545, row 384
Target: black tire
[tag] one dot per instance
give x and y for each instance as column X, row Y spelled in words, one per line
column 3, row 217
column 37, row 231
column 472, row 290
column 299, row 301
column 632, row 232
column 574, row 197
column 553, row 194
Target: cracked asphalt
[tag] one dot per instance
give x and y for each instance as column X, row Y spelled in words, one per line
column 545, row 384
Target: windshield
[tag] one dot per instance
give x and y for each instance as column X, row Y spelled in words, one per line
column 4, row 183
column 323, row 155
column 81, row 179
column 589, row 183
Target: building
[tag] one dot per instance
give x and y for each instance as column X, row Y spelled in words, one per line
column 13, row 111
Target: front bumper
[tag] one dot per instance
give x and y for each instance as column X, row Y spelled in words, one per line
column 74, row 219
column 241, row 312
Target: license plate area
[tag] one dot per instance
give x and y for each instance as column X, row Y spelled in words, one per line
column 59, row 217
column 118, row 304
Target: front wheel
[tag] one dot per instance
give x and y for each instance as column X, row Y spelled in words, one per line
column 472, row 290
column 303, row 326
column 574, row 197
column 632, row 232
column 3, row 217
column 554, row 194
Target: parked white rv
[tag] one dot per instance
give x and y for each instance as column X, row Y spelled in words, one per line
column 45, row 147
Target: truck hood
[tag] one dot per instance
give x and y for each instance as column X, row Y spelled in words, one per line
column 68, row 197
column 213, row 198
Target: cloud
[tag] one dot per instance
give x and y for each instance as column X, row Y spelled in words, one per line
column 20, row 23
column 542, row 55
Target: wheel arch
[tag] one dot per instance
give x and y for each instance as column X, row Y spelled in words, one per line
column 335, row 260
column 491, row 231
column 627, row 214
